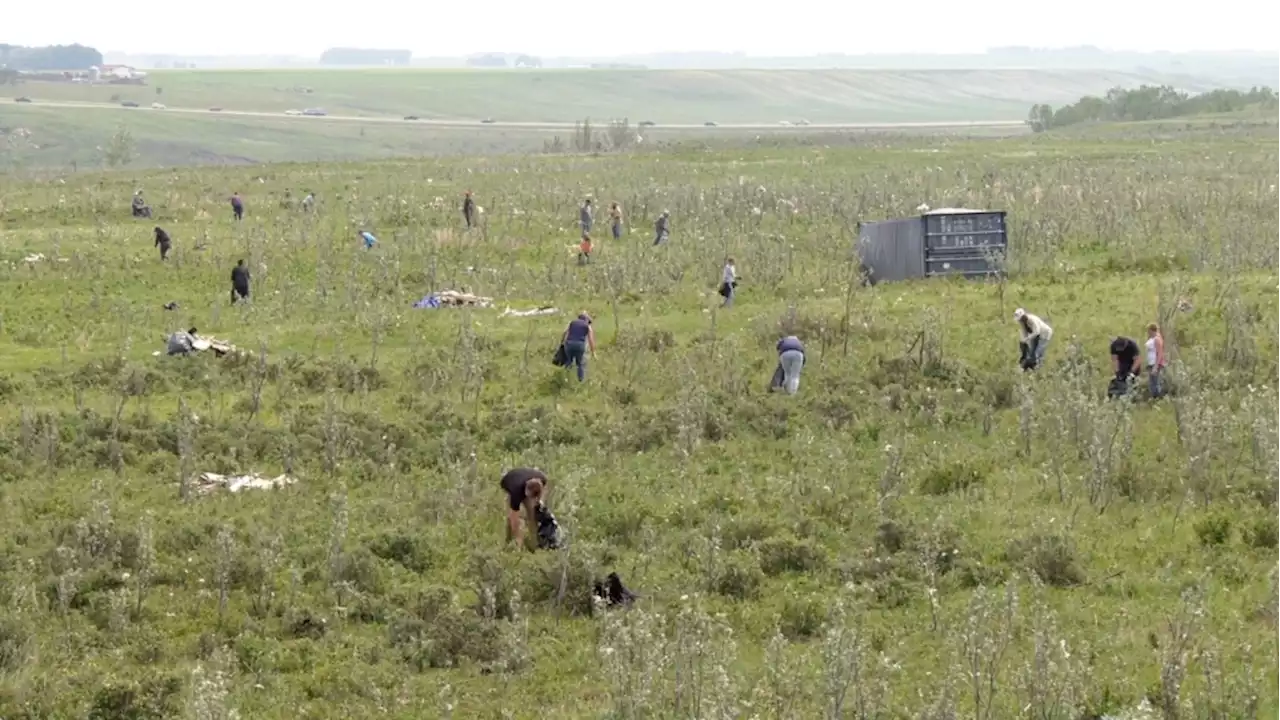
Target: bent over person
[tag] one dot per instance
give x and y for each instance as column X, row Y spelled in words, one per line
column 526, row 489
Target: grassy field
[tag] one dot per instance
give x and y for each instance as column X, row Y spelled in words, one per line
column 664, row 96
column 921, row 532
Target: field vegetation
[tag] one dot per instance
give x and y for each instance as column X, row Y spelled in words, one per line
column 1152, row 103
column 921, row 532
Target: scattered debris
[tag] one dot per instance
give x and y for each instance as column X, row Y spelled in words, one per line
column 33, row 258
column 185, row 342
column 209, row 482
column 171, row 306
column 547, row 310
column 452, row 298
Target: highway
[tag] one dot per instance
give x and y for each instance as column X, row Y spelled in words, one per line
column 473, row 124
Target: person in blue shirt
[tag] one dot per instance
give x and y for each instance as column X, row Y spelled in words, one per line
column 368, row 239
column 579, row 337
column 790, row 362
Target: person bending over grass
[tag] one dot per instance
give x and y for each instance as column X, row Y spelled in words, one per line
column 1035, row 335
column 578, row 338
column 526, row 489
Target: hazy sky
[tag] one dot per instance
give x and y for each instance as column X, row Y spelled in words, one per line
column 559, row 27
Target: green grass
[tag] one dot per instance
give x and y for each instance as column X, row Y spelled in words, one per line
column 752, row 512
column 675, row 96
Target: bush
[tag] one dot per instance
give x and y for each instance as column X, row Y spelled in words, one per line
column 157, row 698
column 1263, row 534
column 1051, row 557
column 739, row 577
column 1213, row 530
column 15, row 646
column 410, row 551
column 956, row 476
column 802, row 618
column 786, row 553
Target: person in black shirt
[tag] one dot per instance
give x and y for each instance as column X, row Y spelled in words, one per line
column 469, row 209
column 239, row 282
column 163, row 242
column 526, row 489
column 1125, row 357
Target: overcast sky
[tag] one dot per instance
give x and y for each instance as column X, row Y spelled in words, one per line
column 559, row 27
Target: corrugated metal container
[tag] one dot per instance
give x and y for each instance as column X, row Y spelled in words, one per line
column 947, row 241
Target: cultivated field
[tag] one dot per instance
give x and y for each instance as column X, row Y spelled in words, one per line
column 663, row 96
column 921, row 531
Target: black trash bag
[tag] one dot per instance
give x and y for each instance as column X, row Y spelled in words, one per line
column 779, row 377
column 549, row 535
column 612, row 592
column 1028, row 359
column 561, row 358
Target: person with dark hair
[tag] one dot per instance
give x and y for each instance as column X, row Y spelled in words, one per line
column 526, row 490
column 239, row 282
column 578, row 338
column 237, row 206
column 584, row 249
column 469, row 209
column 1126, row 362
column 790, row 362
column 163, row 242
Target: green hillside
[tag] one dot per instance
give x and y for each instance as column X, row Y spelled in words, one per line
column 681, row 96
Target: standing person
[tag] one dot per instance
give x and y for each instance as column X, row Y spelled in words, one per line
column 615, row 220
column 526, row 489
column 469, row 210
column 661, row 228
column 1155, row 361
column 584, row 250
column 790, row 362
column 586, row 216
column 1035, row 335
column 308, row 202
column 728, row 282
column 163, row 242
column 578, row 338
column 239, row 282
column 237, row 206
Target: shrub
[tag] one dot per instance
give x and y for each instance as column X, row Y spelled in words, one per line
column 802, row 618
column 739, row 577
column 1051, row 557
column 410, row 551
column 156, row 698
column 891, row 537
column 956, row 476
column 1263, row 533
column 15, row 645
column 1213, row 530
column 786, row 553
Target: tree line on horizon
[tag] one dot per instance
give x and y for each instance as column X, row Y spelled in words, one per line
column 1148, row 102
column 48, row 57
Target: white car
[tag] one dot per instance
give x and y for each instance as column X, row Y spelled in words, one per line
column 784, row 122
column 157, row 106
column 802, row 122
column 292, row 112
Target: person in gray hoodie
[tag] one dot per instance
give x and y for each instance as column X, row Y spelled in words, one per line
column 586, row 216
column 790, row 362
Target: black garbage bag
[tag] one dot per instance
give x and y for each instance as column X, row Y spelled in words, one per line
column 549, row 536
column 612, row 592
column 561, row 358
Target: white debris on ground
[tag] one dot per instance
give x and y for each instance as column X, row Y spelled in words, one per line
column 209, row 482
column 453, row 298
column 529, row 313
column 1143, row 711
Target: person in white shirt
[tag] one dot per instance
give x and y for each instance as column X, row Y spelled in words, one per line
column 728, row 282
column 1035, row 337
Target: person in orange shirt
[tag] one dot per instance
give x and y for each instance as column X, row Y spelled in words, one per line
column 584, row 250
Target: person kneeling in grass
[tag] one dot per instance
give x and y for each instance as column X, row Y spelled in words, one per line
column 1036, row 334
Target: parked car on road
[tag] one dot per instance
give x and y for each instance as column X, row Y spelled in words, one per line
column 22, row 99
column 647, row 123
column 292, row 112
column 412, row 117
column 128, row 103
column 215, row 109
column 709, row 124
column 487, row 121
column 157, row 106
column 314, row 112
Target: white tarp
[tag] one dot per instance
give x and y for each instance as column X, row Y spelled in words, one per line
column 209, row 482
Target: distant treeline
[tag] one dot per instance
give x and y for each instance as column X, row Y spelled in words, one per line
column 363, row 56
column 49, row 57
column 1148, row 103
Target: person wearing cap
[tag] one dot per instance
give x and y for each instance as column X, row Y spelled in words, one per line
column 1035, row 336
column 578, row 338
